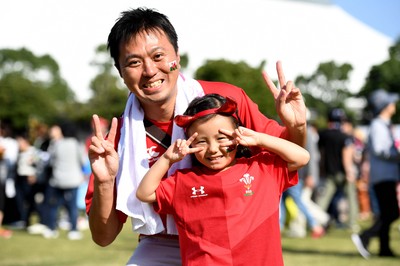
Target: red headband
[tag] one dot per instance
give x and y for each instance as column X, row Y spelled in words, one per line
column 228, row 108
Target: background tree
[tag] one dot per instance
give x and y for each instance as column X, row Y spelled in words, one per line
column 326, row 88
column 386, row 76
column 31, row 87
column 243, row 76
column 109, row 94
column 184, row 60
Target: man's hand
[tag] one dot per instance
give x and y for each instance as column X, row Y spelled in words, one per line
column 103, row 158
column 289, row 102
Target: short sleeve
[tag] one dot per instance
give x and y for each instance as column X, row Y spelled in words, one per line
column 165, row 195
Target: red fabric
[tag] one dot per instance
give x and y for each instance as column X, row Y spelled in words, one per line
column 223, row 222
column 249, row 115
column 228, row 108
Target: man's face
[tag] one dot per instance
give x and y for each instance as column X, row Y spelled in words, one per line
column 149, row 66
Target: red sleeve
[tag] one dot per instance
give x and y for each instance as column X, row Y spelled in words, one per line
column 249, row 114
column 89, row 193
column 165, row 195
column 274, row 164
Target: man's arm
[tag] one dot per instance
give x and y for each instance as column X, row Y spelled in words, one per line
column 103, row 218
column 104, row 223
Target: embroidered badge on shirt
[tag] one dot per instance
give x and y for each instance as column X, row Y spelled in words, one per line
column 198, row 192
column 247, row 179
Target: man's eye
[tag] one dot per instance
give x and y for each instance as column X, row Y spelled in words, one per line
column 158, row 57
column 133, row 63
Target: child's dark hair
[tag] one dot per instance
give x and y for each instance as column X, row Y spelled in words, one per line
column 210, row 101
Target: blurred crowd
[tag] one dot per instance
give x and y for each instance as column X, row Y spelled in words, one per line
column 44, row 175
column 353, row 176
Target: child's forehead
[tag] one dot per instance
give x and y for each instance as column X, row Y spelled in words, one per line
column 211, row 125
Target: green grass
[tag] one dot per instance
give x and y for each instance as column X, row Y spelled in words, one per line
column 334, row 249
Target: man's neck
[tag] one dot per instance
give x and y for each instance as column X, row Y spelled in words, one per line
column 160, row 113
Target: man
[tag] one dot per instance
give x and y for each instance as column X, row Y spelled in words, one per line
column 384, row 158
column 143, row 44
column 337, row 150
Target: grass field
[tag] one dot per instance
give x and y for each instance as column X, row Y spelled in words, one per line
column 334, row 249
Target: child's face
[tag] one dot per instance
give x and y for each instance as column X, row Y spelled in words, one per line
column 213, row 156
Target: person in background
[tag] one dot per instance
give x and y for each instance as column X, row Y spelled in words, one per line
column 4, row 233
column 243, row 193
column 26, row 179
column 8, row 160
column 362, row 165
column 384, row 158
column 67, row 157
column 337, row 168
column 41, row 142
column 144, row 46
column 315, row 218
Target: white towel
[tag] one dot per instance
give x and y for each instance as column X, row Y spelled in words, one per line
column 134, row 160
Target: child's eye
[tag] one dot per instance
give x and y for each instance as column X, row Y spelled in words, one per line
column 199, row 143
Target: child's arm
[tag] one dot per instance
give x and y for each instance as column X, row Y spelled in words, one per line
column 146, row 190
column 293, row 154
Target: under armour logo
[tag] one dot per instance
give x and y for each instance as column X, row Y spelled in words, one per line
column 198, row 192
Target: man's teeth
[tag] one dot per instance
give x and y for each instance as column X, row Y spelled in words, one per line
column 154, row 84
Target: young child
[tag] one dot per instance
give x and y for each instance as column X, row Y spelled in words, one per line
column 226, row 208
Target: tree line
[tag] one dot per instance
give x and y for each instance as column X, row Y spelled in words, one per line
column 33, row 91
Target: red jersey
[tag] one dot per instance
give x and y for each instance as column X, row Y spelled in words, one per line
column 248, row 112
column 229, row 217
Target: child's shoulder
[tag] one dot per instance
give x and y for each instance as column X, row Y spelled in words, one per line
column 258, row 156
column 263, row 157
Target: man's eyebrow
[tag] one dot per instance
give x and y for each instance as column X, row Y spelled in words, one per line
column 130, row 56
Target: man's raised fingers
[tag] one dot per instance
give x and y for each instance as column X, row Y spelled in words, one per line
column 97, row 127
column 113, row 130
column 271, row 86
column 281, row 75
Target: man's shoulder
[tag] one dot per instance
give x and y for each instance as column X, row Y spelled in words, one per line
column 222, row 88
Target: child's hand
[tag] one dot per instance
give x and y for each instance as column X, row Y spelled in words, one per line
column 247, row 137
column 242, row 136
column 180, row 148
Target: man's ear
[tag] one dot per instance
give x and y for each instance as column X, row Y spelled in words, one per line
column 178, row 60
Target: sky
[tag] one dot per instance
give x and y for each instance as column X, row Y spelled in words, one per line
column 70, row 30
column 383, row 15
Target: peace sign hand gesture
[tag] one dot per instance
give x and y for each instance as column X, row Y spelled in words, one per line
column 180, row 148
column 103, row 157
column 289, row 102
